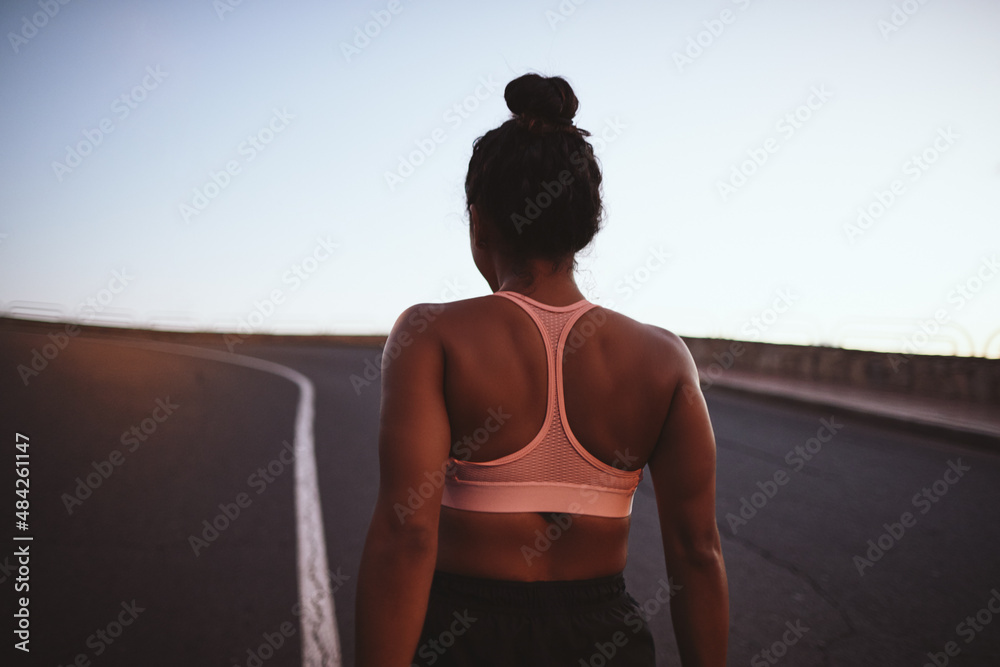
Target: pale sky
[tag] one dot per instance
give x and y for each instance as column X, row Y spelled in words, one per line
column 197, row 164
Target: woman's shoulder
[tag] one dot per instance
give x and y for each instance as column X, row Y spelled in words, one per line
column 459, row 310
column 654, row 342
column 435, row 318
column 426, row 314
column 647, row 339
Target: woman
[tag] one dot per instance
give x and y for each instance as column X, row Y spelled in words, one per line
column 514, row 430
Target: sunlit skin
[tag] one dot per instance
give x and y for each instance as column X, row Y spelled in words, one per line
column 632, row 399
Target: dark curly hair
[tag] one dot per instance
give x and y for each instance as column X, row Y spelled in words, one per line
column 535, row 178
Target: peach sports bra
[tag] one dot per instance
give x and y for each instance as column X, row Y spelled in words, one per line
column 553, row 472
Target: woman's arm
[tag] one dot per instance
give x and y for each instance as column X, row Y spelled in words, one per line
column 397, row 564
column 683, row 472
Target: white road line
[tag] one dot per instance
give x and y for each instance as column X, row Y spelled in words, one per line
column 320, row 642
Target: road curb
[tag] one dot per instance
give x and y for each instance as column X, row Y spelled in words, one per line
column 971, row 437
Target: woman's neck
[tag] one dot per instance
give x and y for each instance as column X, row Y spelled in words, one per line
column 539, row 282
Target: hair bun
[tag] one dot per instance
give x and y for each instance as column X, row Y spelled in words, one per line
column 549, row 98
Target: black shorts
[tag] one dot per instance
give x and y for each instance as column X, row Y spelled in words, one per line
column 486, row 622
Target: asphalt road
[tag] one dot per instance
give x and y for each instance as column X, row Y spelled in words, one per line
column 162, row 513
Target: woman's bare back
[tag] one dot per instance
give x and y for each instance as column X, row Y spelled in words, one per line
column 618, row 376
